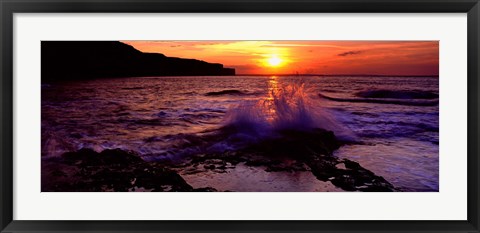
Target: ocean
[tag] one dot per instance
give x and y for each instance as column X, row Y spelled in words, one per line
column 390, row 125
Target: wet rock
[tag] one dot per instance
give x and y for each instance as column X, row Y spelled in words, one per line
column 58, row 172
column 110, row 170
column 353, row 178
column 216, row 161
column 90, row 157
column 256, row 162
column 315, row 149
column 211, row 166
column 341, row 166
column 287, row 150
column 297, row 144
column 295, row 150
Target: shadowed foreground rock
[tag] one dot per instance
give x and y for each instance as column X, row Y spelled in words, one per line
column 288, row 151
column 294, row 150
column 315, row 148
column 110, row 170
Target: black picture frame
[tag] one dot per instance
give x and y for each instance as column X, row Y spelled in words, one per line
column 10, row 7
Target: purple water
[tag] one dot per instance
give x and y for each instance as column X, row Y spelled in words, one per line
column 393, row 121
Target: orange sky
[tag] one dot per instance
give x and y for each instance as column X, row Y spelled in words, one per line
column 307, row 57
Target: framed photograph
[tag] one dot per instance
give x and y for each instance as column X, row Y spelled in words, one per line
column 235, row 116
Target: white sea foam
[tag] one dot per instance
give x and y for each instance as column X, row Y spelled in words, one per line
column 287, row 106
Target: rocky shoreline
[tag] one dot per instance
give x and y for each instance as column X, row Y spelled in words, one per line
column 290, row 151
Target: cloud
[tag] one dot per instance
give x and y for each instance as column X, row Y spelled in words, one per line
column 349, row 53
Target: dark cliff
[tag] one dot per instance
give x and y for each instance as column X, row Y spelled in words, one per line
column 67, row 60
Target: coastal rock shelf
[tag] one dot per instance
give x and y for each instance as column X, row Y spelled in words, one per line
column 110, row 170
column 290, row 151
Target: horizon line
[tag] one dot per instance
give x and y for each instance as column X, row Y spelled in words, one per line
column 357, row 75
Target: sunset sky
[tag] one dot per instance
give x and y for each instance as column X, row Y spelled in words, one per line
column 307, row 57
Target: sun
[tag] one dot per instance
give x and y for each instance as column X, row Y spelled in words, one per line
column 274, row 61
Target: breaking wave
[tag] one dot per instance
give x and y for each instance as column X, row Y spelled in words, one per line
column 389, row 94
column 286, row 107
column 379, row 100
